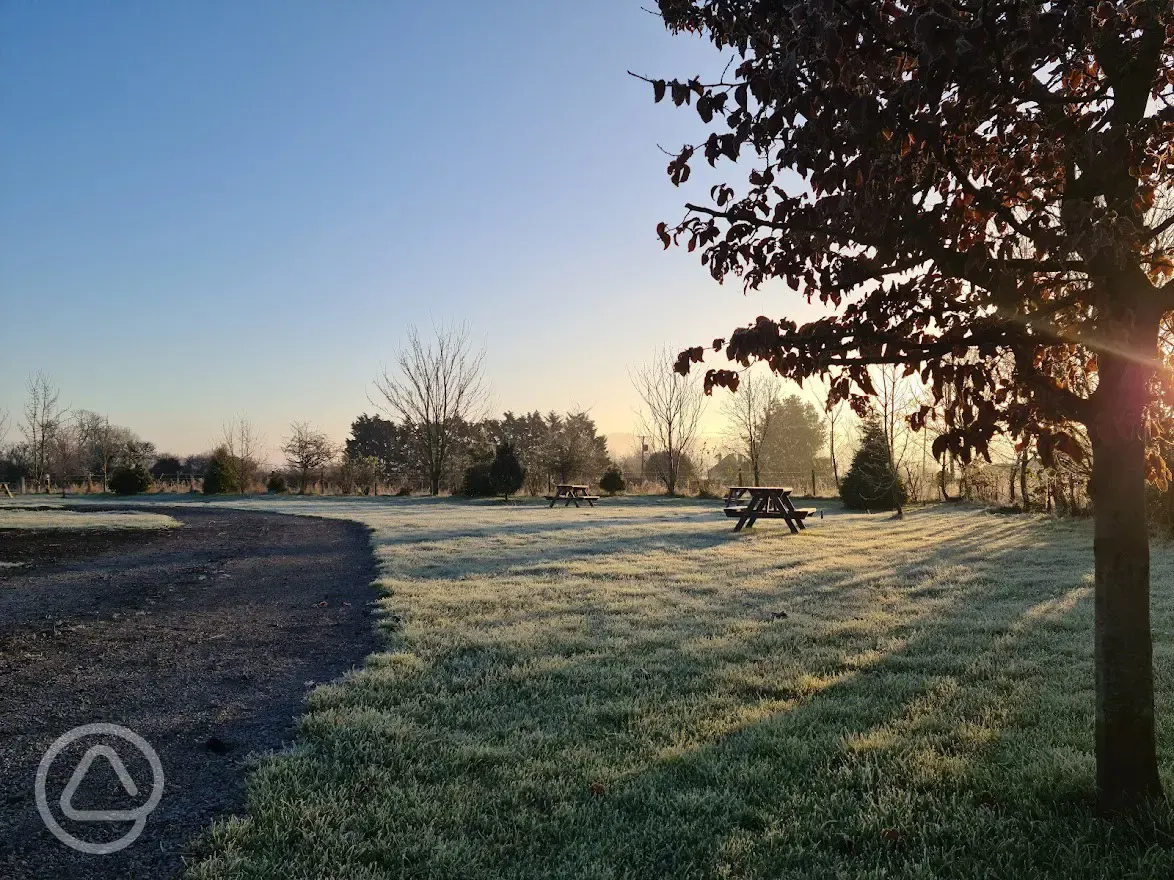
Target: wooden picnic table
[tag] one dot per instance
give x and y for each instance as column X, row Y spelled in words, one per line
column 570, row 493
column 765, row 502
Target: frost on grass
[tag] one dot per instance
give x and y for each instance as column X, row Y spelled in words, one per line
column 636, row 691
column 18, row 518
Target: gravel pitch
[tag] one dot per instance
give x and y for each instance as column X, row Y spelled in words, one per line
column 203, row 639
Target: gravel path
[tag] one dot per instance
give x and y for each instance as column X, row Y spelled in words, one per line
column 202, row 639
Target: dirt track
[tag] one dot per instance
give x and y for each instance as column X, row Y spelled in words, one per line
column 203, row 639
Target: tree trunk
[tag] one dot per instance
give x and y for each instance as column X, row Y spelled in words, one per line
column 1127, row 766
column 1023, row 485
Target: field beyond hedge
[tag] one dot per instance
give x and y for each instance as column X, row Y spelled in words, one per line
column 636, row 692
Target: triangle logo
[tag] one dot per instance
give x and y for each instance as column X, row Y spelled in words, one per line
column 119, row 768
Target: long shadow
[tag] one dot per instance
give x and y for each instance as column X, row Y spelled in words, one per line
column 909, row 759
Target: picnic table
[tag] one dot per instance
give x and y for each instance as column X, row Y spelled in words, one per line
column 570, row 493
column 749, row 503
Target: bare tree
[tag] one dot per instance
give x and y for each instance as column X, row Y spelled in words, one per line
column 897, row 397
column 673, row 405
column 749, row 413
column 100, row 440
column 42, row 421
column 438, row 386
column 243, row 443
column 832, row 415
column 307, row 450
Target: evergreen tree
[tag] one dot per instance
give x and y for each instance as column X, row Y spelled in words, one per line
column 871, row 482
column 506, row 473
column 612, row 480
column 221, row 474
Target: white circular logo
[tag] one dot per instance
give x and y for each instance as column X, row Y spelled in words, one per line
column 138, row 815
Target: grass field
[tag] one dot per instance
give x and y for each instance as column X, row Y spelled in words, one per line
column 12, row 517
column 617, row 693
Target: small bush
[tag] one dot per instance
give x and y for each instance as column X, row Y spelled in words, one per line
column 506, row 474
column 130, row 480
column 276, row 483
column 403, row 492
column 871, row 483
column 477, row 482
column 612, row 480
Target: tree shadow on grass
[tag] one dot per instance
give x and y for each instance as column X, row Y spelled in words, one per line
column 948, row 737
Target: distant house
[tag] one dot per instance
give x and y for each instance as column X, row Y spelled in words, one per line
column 731, row 469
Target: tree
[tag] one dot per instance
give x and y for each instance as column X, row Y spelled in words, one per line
column 967, row 191
column 531, row 438
column 100, row 440
column 672, row 471
column 307, row 450
column 612, row 480
column 794, row 437
column 42, row 422
column 477, row 482
column 220, row 474
column 506, row 473
column 872, row 483
column 166, row 466
column 391, row 446
column 136, row 452
column 242, row 443
column 750, row 415
column 438, row 385
column 672, row 412
column 574, row 451
column 832, row 415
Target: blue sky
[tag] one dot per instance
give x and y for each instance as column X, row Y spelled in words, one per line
column 217, row 208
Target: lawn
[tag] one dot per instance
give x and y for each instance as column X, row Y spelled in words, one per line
column 12, row 517
column 635, row 691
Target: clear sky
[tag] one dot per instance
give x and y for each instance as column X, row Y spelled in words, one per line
column 217, row 208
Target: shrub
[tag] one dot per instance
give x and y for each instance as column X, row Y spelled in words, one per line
column 276, row 483
column 220, row 475
column 477, row 482
column 403, row 492
column 871, row 483
column 130, row 480
column 166, row 466
column 612, row 480
column 506, row 473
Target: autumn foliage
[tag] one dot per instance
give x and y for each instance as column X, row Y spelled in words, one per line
column 980, row 194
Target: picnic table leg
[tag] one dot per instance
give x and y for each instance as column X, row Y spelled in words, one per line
column 793, row 519
column 741, row 522
column 754, row 508
column 553, row 501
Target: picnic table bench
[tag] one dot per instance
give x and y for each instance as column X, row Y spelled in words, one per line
column 570, row 493
column 765, row 502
